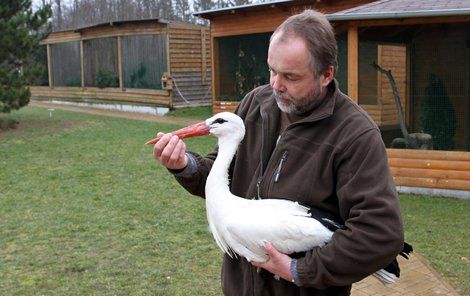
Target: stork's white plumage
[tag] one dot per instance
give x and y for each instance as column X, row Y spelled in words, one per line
column 242, row 226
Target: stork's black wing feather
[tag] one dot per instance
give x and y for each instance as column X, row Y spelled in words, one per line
column 333, row 223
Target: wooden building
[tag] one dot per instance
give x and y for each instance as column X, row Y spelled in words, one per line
column 425, row 44
column 144, row 62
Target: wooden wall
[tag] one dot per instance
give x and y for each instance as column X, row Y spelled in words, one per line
column 147, row 97
column 190, row 67
column 269, row 18
column 390, row 57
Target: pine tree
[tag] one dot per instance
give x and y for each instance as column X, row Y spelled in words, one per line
column 21, row 29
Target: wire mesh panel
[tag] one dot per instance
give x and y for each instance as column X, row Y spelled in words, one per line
column 40, row 59
column 144, row 59
column 100, row 62
column 341, row 74
column 243, row 65
column 441, row 85
column 65, row 63
column 367, row 73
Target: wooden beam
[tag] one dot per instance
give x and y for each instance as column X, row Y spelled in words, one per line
column 48, row 53
column 215, row 71
column 168, row 61
column 203, row 55
column 353, row 63
column 410, row 21
column 119, row 52
column 82, row 66
column 459, row 156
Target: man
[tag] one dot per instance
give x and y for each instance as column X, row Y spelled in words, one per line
column 308, row 142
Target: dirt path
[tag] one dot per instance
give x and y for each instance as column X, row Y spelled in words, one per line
column 115, row 113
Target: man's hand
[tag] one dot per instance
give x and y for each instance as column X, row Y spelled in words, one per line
column 277, row 263
column 170, row 151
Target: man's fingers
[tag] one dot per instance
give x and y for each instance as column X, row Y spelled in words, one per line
column 160, row 146
column 175, row 157
column 272, row 252
column 168, row 150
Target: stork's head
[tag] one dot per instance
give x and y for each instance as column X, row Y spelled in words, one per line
column 221, row 125
column 226, row 124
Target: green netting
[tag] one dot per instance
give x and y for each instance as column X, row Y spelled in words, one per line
column 367, row 74
column 100, row 62
column 242, row 65
column 41, row 59
column 144, row 59
column 437, row 81
column 341, row 74
column 65, row 63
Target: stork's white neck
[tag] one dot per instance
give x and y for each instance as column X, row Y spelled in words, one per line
column 217, row 184
column 217, row 181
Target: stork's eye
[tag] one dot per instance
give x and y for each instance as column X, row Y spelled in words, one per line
column 219, row 121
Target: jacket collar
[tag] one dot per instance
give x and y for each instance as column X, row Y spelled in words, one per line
column 323, row 110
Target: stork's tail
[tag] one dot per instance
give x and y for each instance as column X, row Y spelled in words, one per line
column 391, row 273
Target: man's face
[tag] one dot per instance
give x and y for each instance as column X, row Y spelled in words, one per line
column 296, row 89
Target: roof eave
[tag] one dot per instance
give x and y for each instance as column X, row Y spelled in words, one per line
column 209, row 13
column 397, row 15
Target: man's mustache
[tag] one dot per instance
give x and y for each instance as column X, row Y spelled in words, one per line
column 278, row 95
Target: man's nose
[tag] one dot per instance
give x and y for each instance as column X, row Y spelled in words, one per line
column 277, row 84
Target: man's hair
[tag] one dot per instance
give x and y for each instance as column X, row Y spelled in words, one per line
column 317, row 32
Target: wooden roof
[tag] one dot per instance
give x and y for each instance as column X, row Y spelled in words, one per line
column 403, row 9
column 376, row 10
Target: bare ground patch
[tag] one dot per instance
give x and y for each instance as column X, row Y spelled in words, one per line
column 51, row 126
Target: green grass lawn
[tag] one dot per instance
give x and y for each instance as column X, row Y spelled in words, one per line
column 202, row 112
column 84, row 209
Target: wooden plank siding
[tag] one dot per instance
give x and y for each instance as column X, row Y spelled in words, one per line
column 131, row 29
column 190, row 64
column 267, row 20
column 148, row 97
column 394, row 58
column 430, row 169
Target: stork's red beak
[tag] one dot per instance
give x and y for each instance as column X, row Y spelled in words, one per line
column 195, row 130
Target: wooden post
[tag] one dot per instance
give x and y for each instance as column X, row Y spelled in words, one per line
column 168, row 63
column 203, row 55
column 82, row 68
column 353, row 63
column 119, row 52
column 214, row 59
column 48, row 53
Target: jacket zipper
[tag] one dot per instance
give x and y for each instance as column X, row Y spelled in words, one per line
column 258, row 186
column 277, row 173
column 279, row 167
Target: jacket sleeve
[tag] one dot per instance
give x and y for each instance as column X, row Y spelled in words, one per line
column 195, row 183
column 369, row 205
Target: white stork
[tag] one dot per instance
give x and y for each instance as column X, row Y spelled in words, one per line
column 241, row 226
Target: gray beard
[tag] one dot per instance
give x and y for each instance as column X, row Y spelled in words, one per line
column 301, row 106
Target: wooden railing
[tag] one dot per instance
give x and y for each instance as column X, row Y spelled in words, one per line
column 147, row 97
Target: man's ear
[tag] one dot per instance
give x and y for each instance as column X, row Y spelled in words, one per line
column 327, row 76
